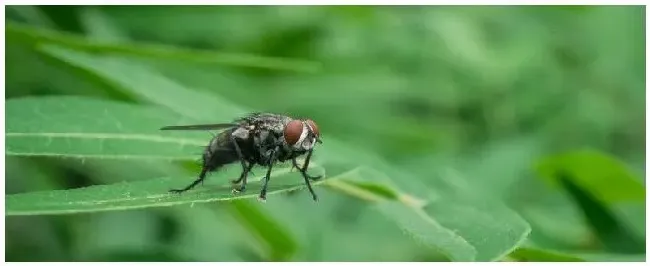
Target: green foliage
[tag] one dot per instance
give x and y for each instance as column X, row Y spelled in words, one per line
column 532, row 254
column 131, row 195
column 450, row 133
column 57, row 126
column 38, row 37
column 605, row 177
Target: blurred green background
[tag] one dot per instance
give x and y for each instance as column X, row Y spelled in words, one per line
column 474, row 102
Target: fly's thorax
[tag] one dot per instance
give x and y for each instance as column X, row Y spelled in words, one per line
column 241, row 133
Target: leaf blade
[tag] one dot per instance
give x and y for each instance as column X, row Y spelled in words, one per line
column 602, row 175
column 428, row 231
column 146, row 194
column 42, row 36
column 492, row 229
column 462, row 230
column 82, row 127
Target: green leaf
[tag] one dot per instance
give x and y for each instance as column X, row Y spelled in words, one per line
column 492, row 229
column 541, row 255
column 276, row 237
column 428, row 231
column 601, row 175
column 200, row 230
column 376, row 188
column 146, row 84
column 98, row 26
column 150, row 193
column 81, row 127
column 462, row 230
column 607, row 257
column 614, row 234
column 39, row 36
column 32, row 15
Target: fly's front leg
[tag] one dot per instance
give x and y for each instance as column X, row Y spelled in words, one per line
column 307, row 178
column 303, row 170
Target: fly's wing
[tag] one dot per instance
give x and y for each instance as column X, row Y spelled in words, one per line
column 200, row 127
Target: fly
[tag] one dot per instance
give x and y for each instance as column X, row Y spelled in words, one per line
column 262, row 139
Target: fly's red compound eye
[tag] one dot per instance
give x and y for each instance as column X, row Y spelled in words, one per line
column 313, row 126
column 292, row 132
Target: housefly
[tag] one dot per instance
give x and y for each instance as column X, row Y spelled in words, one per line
column 262, row 139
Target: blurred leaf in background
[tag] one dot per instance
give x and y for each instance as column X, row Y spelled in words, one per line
column 450, row 133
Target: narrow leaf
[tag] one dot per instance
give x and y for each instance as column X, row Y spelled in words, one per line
column 428, row 231
column 492, row 229
column 605, row 177
column 610, row 230
column 146, row 84
column 148, row 193
column 38, row 36
column 277, row 239
column 70, row 126
column 541, row 255
column 462, row 230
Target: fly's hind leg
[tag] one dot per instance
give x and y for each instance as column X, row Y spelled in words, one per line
column 204, row 171
column 206, row 167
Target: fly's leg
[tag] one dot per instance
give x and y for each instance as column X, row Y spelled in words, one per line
column 307, row 178
column 311, row 190
column 262, row 196
column 243, row 178
column 241, row 159
column 206, row 167
column 196, row 182
column 303, row 170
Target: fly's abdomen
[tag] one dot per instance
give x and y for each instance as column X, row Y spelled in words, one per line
column 219, row 152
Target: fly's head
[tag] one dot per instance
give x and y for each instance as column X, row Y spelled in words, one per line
column 301, row 135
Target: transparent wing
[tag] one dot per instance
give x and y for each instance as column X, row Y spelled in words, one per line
column 200, row 127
